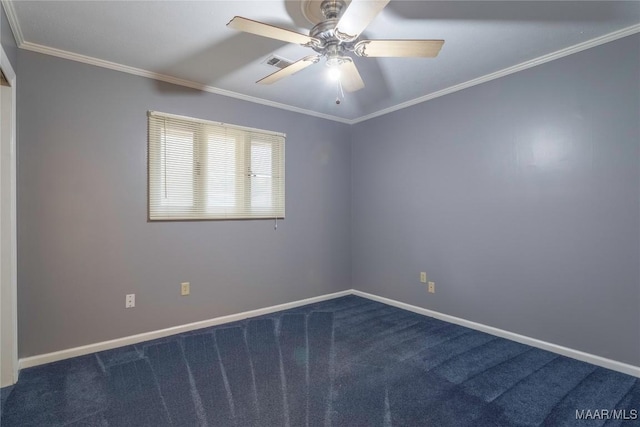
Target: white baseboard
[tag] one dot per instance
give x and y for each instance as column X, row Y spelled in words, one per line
column 55, row 356
column 533, row 342
column 42, row 359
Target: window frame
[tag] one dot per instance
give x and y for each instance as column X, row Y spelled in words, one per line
column 202, row 133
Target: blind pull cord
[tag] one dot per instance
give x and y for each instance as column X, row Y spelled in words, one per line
column 275, row 227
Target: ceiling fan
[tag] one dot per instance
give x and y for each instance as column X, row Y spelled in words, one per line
column 336, row 36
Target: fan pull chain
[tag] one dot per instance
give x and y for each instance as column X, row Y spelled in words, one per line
column 339, row 92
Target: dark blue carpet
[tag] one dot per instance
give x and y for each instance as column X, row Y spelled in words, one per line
column 344, row 362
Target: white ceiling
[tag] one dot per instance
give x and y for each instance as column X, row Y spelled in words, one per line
column 189, row 40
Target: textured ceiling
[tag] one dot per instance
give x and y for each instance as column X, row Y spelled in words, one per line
column 190, row 41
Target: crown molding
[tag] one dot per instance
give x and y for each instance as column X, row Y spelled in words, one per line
column 10, row 11
column 510, row 70
column 34, row 47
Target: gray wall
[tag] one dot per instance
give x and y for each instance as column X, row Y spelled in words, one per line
column 84, row 241
column 519, row 198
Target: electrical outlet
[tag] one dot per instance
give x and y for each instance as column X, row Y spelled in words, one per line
column 185, row 288
column 423, row 277
column 432, row 287
column 130, row 301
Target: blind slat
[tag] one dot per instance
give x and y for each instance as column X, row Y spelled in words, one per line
column 206, row 170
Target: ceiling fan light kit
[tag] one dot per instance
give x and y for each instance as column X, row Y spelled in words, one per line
column 335, row 37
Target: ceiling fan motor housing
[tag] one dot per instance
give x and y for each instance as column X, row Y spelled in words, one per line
column 335, row 37
column 332, row 47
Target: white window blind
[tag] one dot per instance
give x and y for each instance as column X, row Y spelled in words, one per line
column 206, row 170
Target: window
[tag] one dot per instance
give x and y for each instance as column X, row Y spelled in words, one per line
column 206, row 170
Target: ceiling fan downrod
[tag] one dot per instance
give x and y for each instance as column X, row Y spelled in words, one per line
column 331, row 8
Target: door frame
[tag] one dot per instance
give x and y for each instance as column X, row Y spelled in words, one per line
column 10, row 290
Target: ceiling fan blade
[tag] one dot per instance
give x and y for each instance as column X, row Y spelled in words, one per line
column 266, row 30
column 291, row 69
column 399, row 48
column 357, row 17
column 350, row 77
